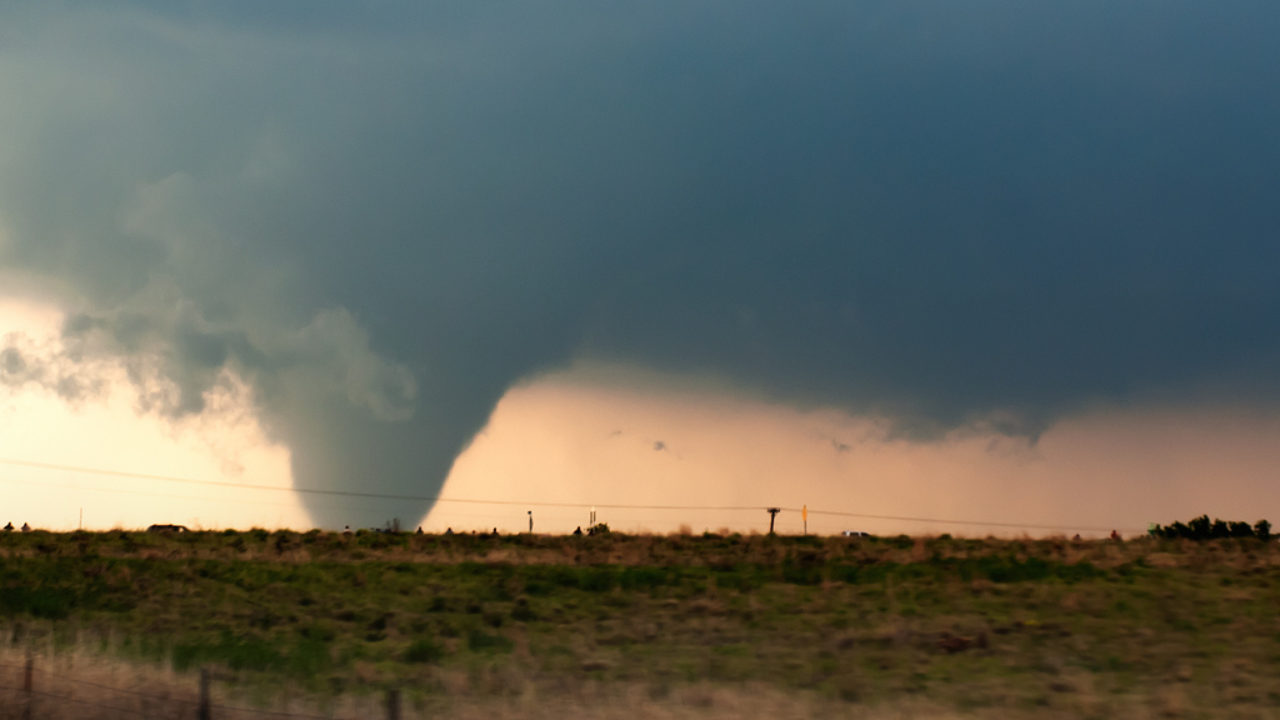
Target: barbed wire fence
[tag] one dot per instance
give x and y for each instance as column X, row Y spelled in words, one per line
column 32, row 693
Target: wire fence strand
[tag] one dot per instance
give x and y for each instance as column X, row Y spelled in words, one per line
column 75, row 700
column 139, row 694
column 90, row 683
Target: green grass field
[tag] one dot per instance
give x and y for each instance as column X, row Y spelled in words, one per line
column 893, row 627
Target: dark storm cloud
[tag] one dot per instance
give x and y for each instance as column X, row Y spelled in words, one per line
column 12, row 364
column 943, row 213
column 25, row 364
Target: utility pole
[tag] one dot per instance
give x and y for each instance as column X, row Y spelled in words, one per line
column 27, row 671
column 393, row 704
column 773, row 513
column 205, row 710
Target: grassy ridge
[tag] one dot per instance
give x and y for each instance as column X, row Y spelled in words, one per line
column 974, row 624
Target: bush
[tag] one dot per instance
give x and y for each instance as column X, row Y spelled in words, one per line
column 235, row 652
column 423, row 651
column 522, row 611
column 1262, row 530
column 1202, row 528
column 41, row 602
column 801, row 574
column 481, row 641
column 596, row 579
column 642, row 578
column 1240, row 530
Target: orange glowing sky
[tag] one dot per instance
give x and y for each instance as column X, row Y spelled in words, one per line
column 617, row 436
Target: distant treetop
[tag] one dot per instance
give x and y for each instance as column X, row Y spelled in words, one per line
column 1202, row 528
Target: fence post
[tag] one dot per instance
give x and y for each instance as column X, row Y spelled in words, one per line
column 393, row 704
column 28, row 673
column 206, row 711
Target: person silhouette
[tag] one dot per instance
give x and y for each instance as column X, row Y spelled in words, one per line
column 578, row 531
column 8, row 527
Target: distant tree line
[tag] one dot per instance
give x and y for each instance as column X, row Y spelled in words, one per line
column 1202, row 528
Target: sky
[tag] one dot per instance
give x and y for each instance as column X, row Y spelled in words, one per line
column 991, row 261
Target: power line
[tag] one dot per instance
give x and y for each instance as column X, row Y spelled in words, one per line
column 356, row 494
column 532, row 503
column 191, row 481
column 961, row 522
column 143, row 493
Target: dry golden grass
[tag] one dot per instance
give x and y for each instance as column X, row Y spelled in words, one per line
column 151, row 692
column 650, row 626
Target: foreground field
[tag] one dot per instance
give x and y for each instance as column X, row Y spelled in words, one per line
column 702, row 626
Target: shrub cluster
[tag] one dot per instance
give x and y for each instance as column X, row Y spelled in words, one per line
column 1202, row 528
